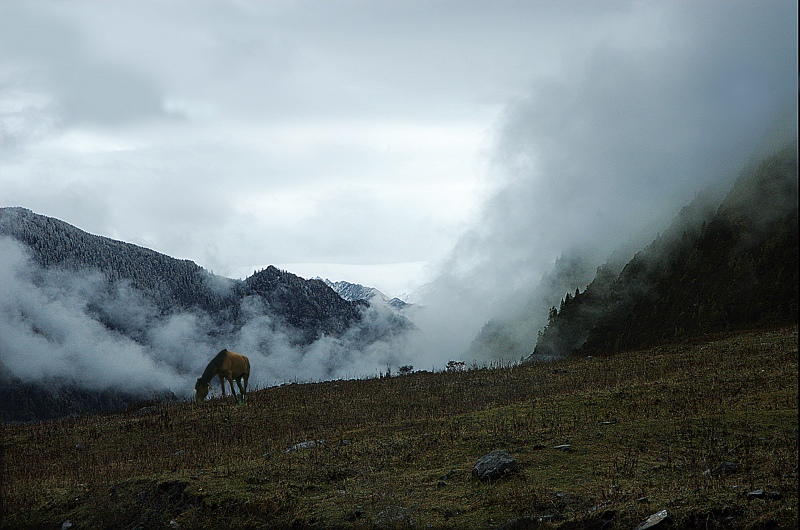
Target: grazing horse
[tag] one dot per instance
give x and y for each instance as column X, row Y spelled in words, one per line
column 227, row 365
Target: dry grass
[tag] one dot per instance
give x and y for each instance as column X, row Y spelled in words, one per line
column 644, row 427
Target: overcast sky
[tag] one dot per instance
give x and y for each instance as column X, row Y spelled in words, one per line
column 374, row 141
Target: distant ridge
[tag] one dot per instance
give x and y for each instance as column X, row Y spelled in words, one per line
column 354, row 292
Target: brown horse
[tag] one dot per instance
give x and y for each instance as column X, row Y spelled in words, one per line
column 227, row 365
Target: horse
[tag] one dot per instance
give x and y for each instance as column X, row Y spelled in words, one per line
column 227, row 365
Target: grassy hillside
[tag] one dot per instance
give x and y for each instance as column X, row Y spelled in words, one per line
column 647, row 431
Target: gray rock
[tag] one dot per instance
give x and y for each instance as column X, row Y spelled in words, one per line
column 567, row 448
column 657, row 520
column 756, row 494
column 494, row 465
column 305, row 445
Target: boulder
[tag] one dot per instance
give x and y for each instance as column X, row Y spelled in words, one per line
column 494, row 465
column 657, row 520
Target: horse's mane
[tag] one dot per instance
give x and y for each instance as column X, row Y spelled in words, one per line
column 211, row 369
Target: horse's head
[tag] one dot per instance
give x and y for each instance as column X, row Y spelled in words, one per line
column 200, row 391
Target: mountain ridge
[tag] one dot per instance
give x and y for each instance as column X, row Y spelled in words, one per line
column 734, row 270
column 355, row 291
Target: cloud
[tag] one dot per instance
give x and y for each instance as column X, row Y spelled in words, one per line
column 78, row 327
column 86, row 88
column 603, row 154
column 239, row 134
column 47, row 331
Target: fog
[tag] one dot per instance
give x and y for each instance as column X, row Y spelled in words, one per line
column 600, row 158
column 612, row 119
column 77, row 328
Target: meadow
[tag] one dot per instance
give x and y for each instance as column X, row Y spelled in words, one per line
column 704, row 429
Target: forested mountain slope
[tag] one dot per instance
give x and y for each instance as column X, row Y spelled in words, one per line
column 172, row 284
column 736, row 270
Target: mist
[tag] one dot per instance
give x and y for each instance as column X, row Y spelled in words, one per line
column 594, row 161
column 612, row 119
column 78, row 328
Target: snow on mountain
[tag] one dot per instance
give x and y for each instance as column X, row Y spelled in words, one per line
column 354, row 291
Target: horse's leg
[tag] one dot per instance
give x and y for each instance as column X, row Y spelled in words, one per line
column 222, row 385
column 233, row 390
column 241, row 390
column 246, row 378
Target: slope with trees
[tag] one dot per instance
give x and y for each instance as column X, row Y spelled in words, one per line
column 734, row 270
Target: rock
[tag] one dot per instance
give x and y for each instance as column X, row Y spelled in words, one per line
column 494, row 465
column 305, row 445
column 393, row 517
column 657, row 520
column 756, row 494
column 66, row 525
column 775, row 495
column 567, row 448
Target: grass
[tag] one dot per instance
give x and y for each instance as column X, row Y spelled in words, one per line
column 646, row 429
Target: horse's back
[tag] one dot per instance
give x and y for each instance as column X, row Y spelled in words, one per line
column 239, row 363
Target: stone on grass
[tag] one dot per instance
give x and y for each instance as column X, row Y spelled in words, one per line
column 657, row 520
column 494, row 465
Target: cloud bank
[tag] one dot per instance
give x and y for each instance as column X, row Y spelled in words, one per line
column 78, row 328
column 673, row 100
column 239, row 134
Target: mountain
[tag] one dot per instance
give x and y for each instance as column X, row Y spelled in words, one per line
column 355, row 292
column 82, row 315
column 732, row 270
column 173, row 285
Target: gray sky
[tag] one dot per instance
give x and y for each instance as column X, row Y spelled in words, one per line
column 374, row 141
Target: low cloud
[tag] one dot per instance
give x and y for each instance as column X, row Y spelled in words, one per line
column 602, row 156
column 78, row 327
